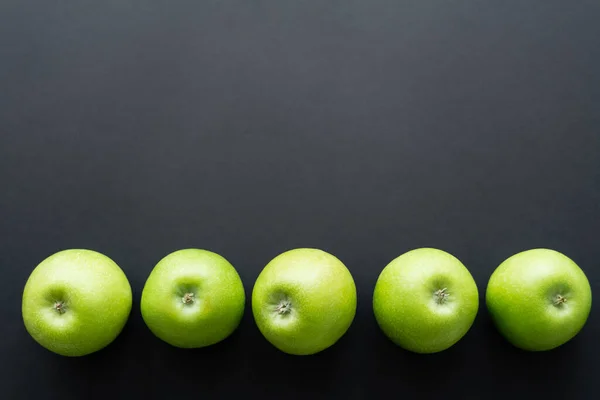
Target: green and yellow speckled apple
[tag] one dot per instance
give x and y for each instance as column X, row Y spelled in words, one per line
column 425, row 300
column 193, row 298
column 539, row 299
column 304, row 301
column 76, row 302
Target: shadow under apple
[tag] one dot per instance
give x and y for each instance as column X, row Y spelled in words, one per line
column 512, row 369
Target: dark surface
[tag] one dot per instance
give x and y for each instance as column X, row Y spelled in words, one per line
column 365, row 128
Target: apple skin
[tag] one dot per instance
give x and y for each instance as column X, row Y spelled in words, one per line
column 425, row 300
column 193, row 298
column 304, row 301
column 76, row 302
column 523, row 299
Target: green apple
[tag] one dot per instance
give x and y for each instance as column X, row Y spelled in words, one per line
column 539, row 299
column 304, row 301
column 425, row 300
column 76, row 302
column 193, row 298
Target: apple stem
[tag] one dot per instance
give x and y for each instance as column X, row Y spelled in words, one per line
column 59, row 306
column 559, row 300
column 188, row 298
column 284, row 307
column 441, row 295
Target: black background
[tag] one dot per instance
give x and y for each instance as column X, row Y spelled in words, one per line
column 365, row 128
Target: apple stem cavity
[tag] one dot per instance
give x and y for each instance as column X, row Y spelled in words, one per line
column 188, row 298
column 284, row 307
column 559, row 300
column 59, row 306
column 441, row 295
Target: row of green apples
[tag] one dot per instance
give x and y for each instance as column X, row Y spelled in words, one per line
column 77, row 301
